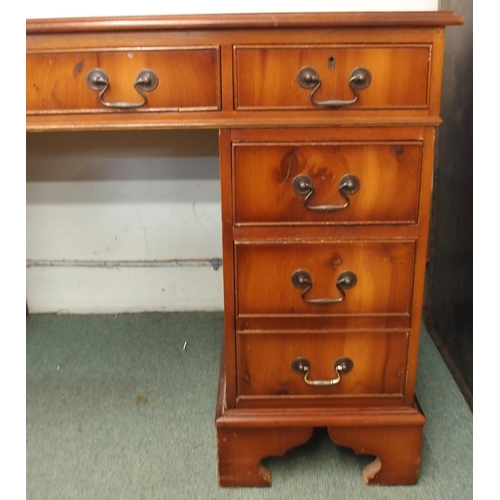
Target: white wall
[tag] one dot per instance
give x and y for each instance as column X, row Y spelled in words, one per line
column 63, row 8
column 123, row 221
column 130, row 221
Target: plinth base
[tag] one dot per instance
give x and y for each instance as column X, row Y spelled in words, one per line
column 246, row 436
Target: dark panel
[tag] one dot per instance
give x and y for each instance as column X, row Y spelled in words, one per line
column 448, row 311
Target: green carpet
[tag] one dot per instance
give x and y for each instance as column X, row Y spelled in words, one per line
column 122, row 408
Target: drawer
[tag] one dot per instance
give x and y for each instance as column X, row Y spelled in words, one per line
column 324, row 278
column 187, row 80
column 265, row 363
column 326, row 183
column 267, row 77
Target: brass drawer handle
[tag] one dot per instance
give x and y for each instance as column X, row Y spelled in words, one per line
column 302, row 279
column 302, row 366
column 146, row 81
column 309, row 78
column 303, row 186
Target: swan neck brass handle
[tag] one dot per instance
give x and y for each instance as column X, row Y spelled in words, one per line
column 146, row 81
column 308, row 78
column 302, row 279
column 302, row 366
column 303, row 186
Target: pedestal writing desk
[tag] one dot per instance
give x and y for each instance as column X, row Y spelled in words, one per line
column 327, row 125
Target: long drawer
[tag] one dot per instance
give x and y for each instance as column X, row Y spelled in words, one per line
column 372, row 364
column 180, row 79
column 394, row 76
column 324, row 278
column 301, row 183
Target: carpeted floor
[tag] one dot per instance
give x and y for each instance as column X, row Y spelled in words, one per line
column 122, row 408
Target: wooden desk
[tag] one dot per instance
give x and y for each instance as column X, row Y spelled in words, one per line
column 326, row 145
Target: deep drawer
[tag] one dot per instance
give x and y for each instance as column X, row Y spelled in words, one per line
column 268, row 77
column 378, row 364
column 326, row 183
column 303, row 279
column 187, row 79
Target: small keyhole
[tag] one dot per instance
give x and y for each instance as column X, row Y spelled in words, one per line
column 331, row 63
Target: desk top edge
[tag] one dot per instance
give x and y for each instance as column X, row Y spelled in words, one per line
column 243, row 21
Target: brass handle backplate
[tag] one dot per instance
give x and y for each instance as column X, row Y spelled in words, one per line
column 302, row 366
column 308, row 78
column 146, row 81
column 303, row 186
column 302, row 279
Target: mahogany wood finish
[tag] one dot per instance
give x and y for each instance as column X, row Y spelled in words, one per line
column 238, row 73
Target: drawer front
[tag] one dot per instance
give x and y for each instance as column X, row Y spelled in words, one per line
column 378, row 364
column 188, row 79
column 341, row 183
column 267, row 77
column 303, row 279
